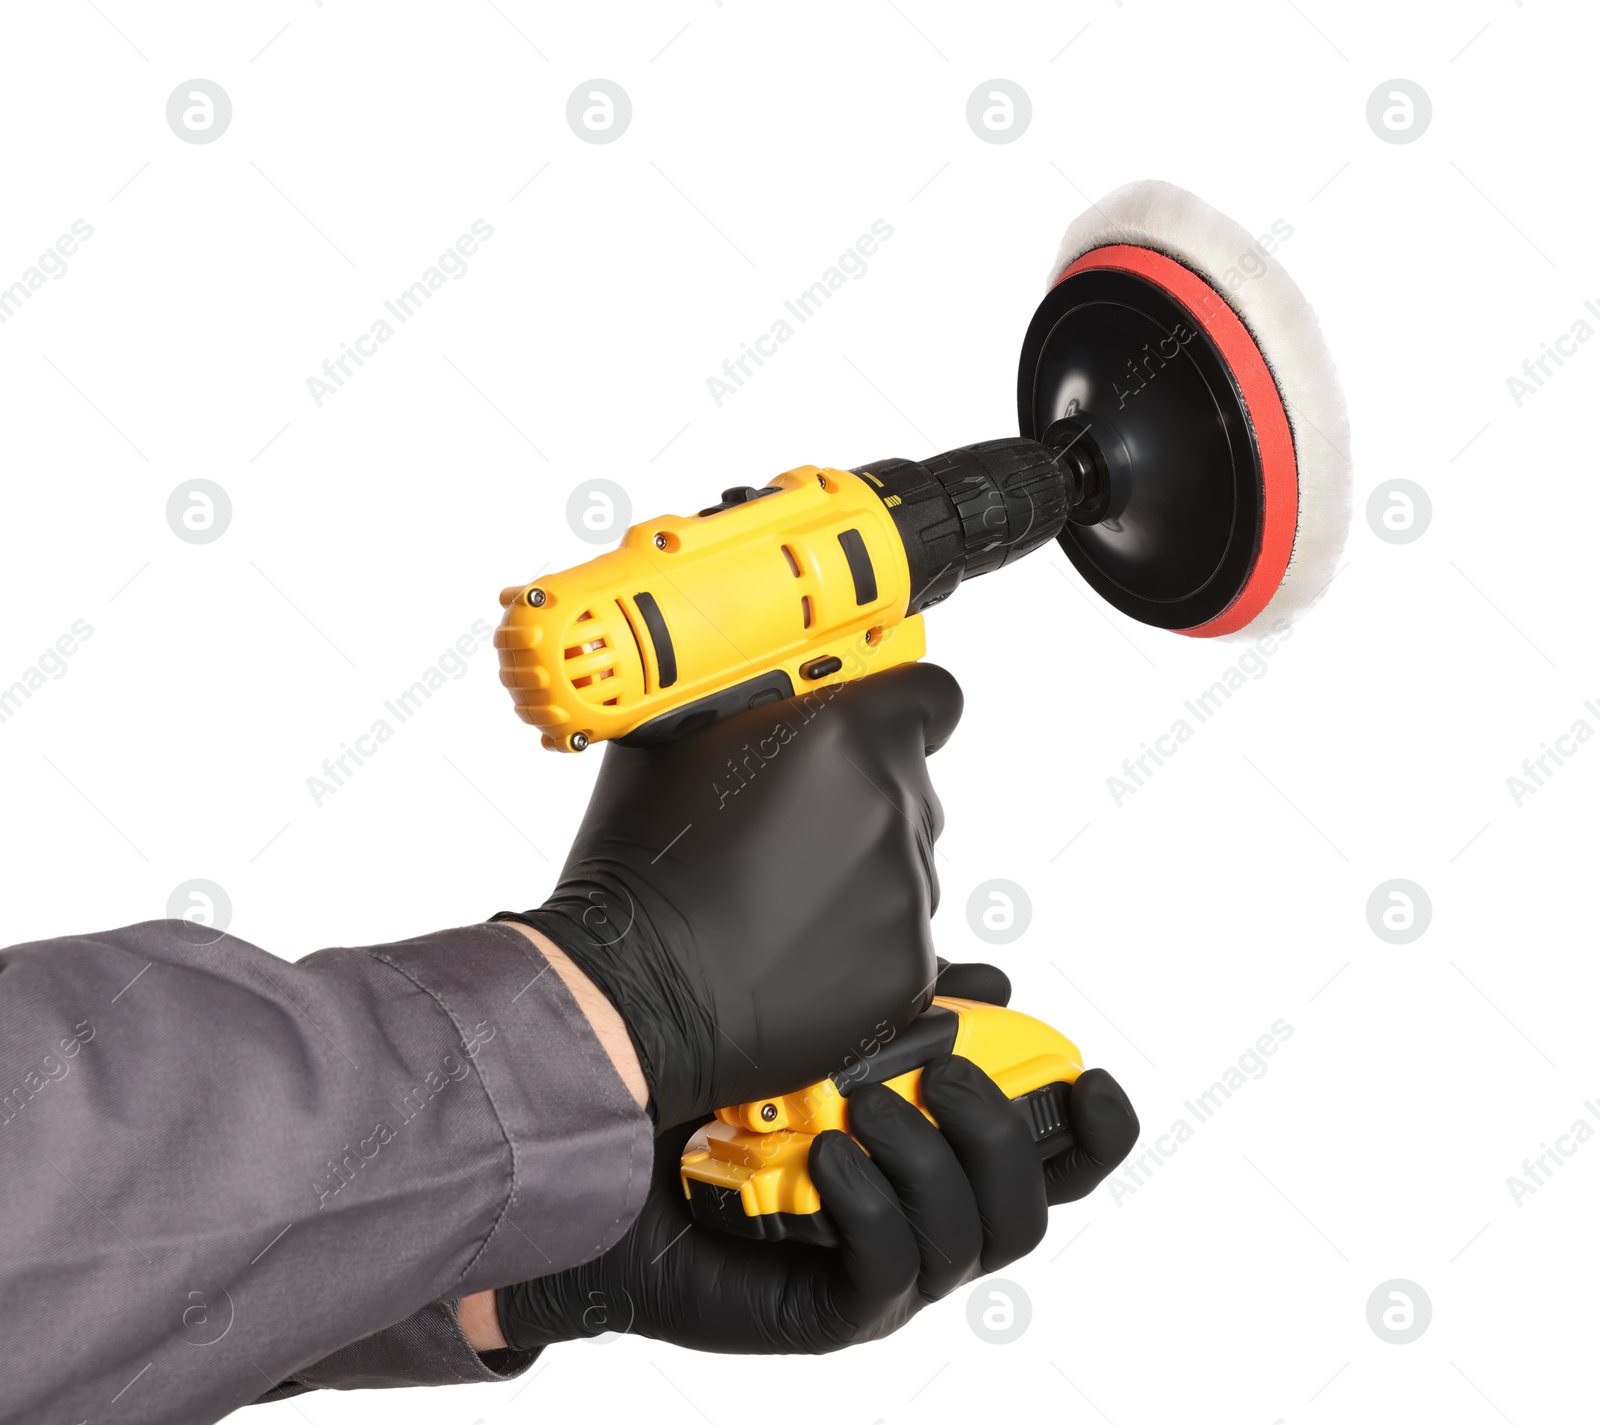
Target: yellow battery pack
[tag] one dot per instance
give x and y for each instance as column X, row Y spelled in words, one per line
column 746, row 1172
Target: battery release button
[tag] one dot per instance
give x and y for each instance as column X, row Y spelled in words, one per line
column 821, row 668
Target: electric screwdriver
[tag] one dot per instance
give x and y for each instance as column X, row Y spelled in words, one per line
column 1195, row 484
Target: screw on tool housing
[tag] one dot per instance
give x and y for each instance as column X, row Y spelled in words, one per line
column 661, row 541
column 537, row 597
column 578, row 741
column 769, row 1111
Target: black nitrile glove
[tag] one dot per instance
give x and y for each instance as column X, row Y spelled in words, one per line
column 754, row 899
column 929, row 1210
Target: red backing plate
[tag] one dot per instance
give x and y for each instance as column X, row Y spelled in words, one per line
column 1280, row 495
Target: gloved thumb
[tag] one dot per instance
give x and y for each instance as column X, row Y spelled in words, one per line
column 923, row 692
column 1104, row 1129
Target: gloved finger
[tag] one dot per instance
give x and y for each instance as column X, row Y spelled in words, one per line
column 922, row 691
column 988, row 984
column 877, row 1253
column 1104, row 1130
column 926, row 1176
column 992, row 1142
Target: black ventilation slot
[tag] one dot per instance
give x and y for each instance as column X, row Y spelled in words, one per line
column 855, row 553
column 656, row 626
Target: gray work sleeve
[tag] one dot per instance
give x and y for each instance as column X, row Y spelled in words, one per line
column 221, row 1169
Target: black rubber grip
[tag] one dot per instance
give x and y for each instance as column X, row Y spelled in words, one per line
column 861, row 570
column 767, row 687
column 666, row 655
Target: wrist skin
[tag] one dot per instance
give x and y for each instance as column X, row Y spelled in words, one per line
column 476, row 1314
column 597, row 1009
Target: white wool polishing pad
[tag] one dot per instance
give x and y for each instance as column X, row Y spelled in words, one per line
column 1307, row 491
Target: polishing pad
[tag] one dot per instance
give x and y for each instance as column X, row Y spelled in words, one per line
column 1176, row 348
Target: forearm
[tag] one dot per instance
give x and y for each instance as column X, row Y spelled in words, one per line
column 294, row 1156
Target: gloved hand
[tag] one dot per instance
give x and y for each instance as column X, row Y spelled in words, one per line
column 930, row 1210
column 754, row 899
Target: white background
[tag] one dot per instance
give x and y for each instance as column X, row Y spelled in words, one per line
column 1226, row 894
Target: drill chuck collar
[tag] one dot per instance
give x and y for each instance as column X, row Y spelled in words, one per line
column 973, row 510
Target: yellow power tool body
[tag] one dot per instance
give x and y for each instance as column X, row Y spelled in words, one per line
column 815, row 579
column 746, row 1172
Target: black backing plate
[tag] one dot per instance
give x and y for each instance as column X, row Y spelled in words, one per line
column 1133, row 358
